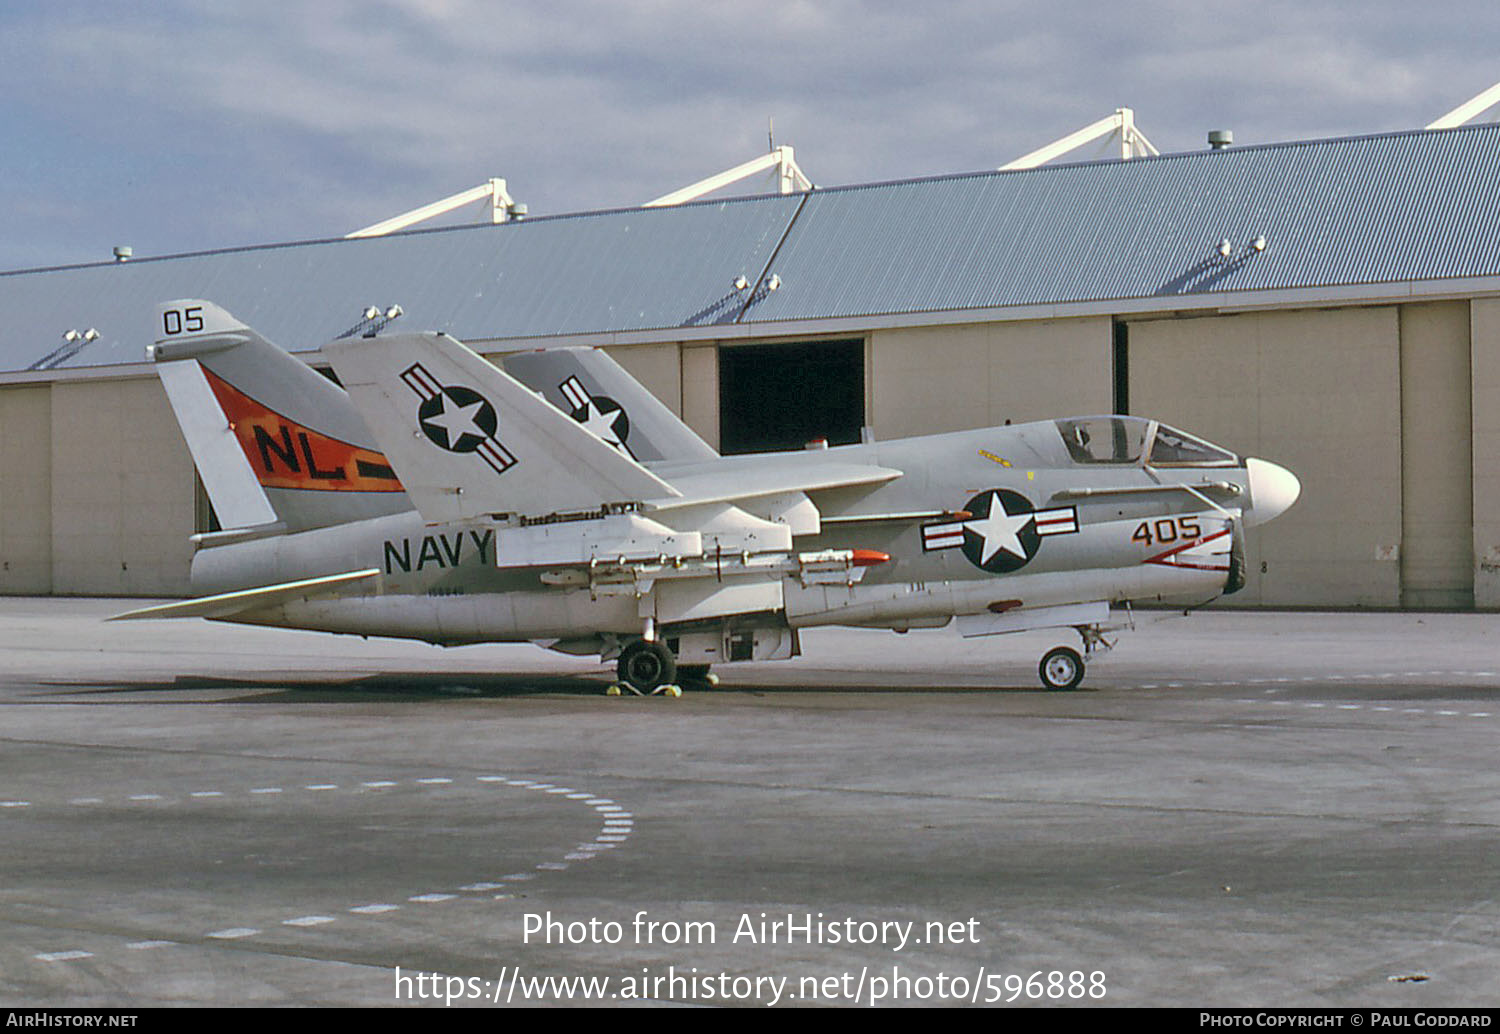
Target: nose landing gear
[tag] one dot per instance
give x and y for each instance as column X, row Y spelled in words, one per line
column 1062, row 667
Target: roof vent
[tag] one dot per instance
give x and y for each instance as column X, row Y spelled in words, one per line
column 1218, row 139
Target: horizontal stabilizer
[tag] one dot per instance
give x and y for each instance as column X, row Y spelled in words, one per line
column 227, row 603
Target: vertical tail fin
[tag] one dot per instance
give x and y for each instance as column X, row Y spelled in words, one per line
column 602, row 396
column 273, row 439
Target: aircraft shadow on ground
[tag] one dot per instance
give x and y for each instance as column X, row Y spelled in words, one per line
column 418, row 687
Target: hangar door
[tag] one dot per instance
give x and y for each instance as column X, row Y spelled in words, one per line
column 783, row 396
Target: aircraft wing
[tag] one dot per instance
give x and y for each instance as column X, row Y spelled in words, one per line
column 780, row 476
column 226, row 603
column 467, row 439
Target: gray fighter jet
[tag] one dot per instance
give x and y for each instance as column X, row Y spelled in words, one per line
column 553, row 500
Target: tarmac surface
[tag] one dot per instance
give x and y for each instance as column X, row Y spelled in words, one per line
column 1237, row 809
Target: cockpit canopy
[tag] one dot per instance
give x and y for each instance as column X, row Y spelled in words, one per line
column 1124, row 440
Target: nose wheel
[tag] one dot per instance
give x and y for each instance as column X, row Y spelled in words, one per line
column 1061, row 668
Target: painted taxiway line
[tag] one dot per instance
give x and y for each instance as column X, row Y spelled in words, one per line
column 1313, row 705
column 1342, row 680
column 616, row 826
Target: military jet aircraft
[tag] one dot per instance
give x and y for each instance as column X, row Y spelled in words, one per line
column 433, row 495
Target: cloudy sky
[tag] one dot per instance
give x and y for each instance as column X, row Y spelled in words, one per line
column 182, row 126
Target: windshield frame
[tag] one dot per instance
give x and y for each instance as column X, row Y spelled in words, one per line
column 1134, row 441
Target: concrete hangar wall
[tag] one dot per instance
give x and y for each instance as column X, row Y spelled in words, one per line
column 1351, row 332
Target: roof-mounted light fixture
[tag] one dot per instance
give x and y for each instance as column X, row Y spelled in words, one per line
column 372, row 319
column 73, row 343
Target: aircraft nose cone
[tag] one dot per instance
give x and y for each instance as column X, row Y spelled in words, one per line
column 1272, row 490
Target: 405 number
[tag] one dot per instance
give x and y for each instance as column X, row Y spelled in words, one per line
column 1167, row 529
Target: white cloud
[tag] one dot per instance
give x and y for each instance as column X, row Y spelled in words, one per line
column 185, row 125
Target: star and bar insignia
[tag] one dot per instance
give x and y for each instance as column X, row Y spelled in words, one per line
column 1004, row 532
column 458, row 419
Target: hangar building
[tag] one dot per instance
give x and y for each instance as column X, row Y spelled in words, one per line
column 1332, row 305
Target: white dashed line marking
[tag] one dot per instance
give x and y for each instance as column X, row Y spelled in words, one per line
column 617, row 826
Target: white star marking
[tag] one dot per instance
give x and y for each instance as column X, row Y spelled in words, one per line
column 602, row 425
column 458, row 420
column 1000, row 531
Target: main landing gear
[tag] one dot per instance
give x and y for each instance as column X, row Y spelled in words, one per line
column 1062, row 667
column 648, row 667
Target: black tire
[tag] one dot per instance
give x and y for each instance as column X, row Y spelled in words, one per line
column 1061, row 668
column 644, row 666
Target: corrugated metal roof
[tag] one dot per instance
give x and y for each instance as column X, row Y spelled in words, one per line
column 1388, row 208
column 622, row 270
column 1396, row 207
